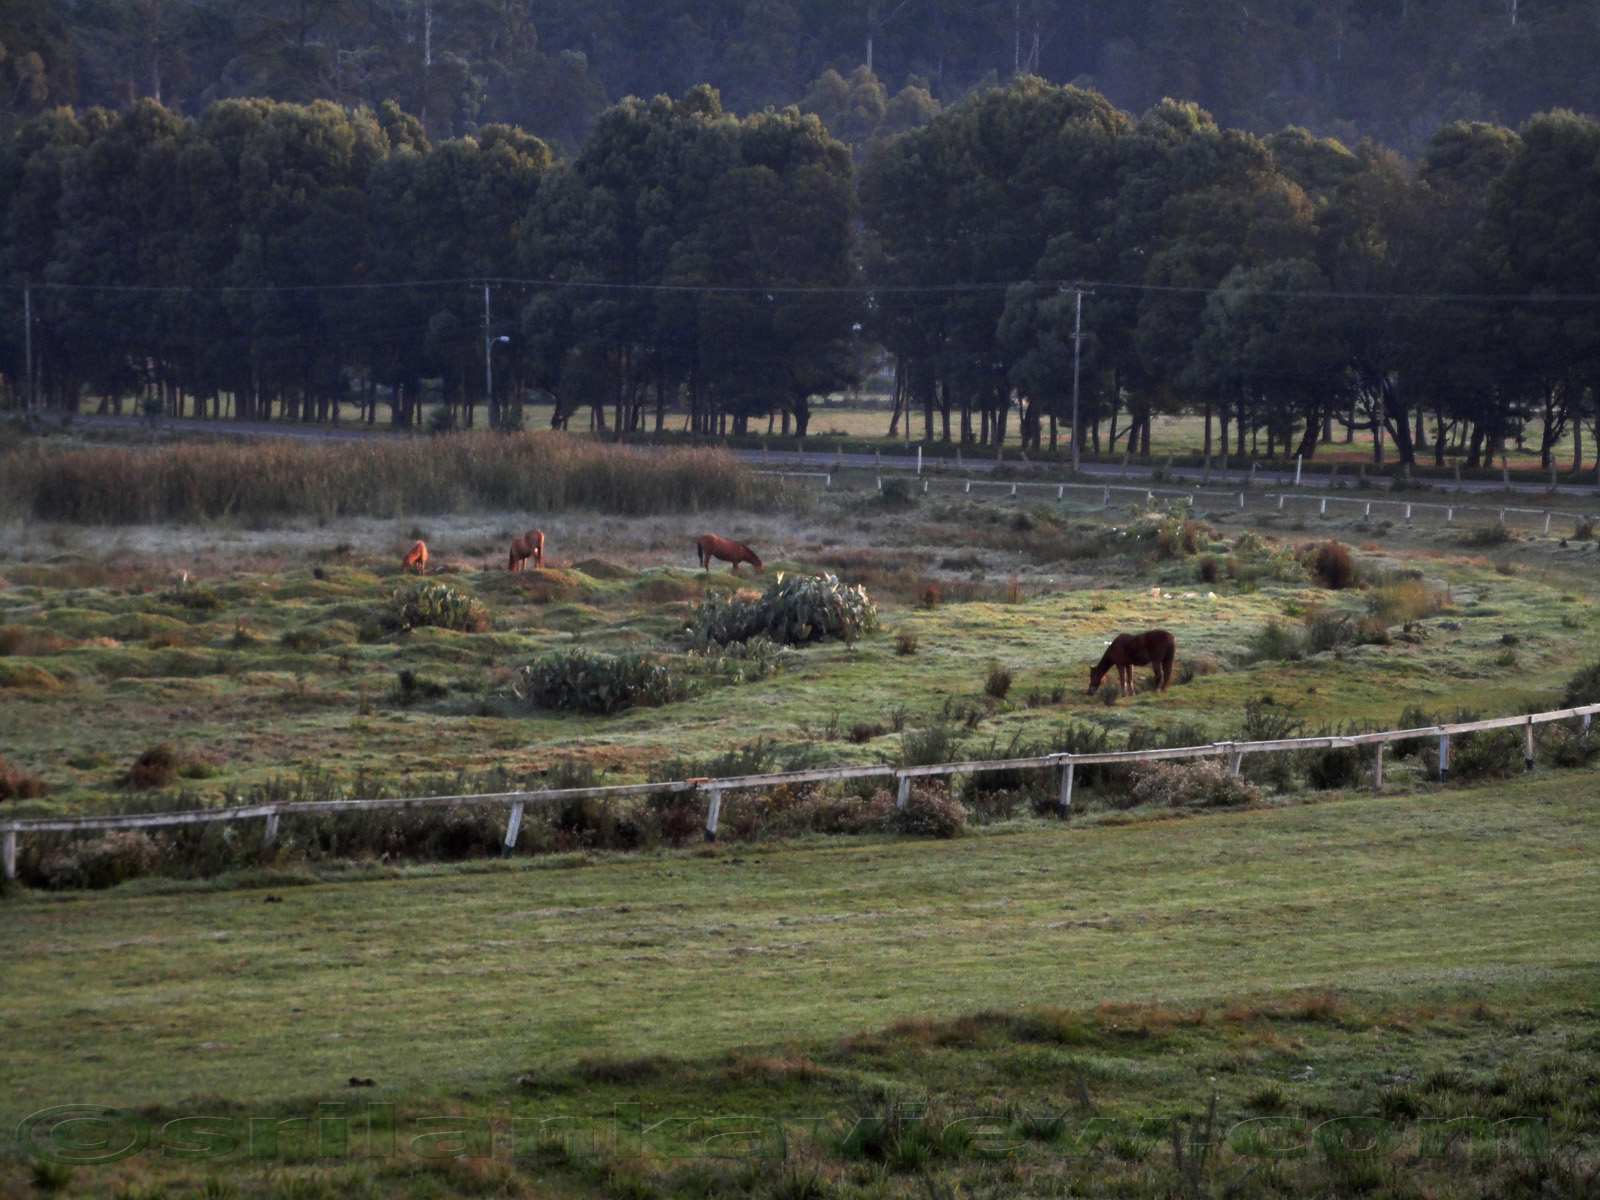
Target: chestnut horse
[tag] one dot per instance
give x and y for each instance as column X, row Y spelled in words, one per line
column 529, row 545
column 1157, row 649
column 711, row 546
column 416, row 557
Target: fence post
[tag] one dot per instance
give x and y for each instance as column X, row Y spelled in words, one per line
column 880, row 483
column 827, row 481
column 1547, row 523
column 1377, row 768
column 903, row 794
column 765, row 456
column 713, row 811
column 1280, row 501
column 270, row 835
column 513, row 827
column 1064, row 806
column 1527, row 746
column 1105, row 500
column 969, row 485
column 919, row 460
column 1444, row 757
column 1449, row 515
column 1061, row 491
column 1013, row 489
column 1368, row 513
column 10, row 854
column 1408, row 512
column 1241, row 499
column 1297, row 459
column 1322, row 510
column 1583, row 738
column 1235, row 758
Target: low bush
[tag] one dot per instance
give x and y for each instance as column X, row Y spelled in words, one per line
column 794, row 610
column 155, row 768
column 930, row 811
column 1484, row 754
column 197, row 597
column 1481, row 536
column 1193, row 666
column 1277, row 642
column 582, row 681
column 1583, row 687
column 938, row 742
column 1562, row 744
column 905, row 642
column 1333, row 565
column 897, row 493
column 1333, row 767
column 930, row 595
column 17, row 784
column 105, row 862
column 1205, row 783
column 439, row 605
column 1207, row 570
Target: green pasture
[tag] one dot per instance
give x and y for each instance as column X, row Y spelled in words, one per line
column 447, row 985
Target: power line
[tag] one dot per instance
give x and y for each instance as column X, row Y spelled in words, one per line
column 865, row 290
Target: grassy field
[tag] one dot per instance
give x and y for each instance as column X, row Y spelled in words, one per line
column 1321, row 952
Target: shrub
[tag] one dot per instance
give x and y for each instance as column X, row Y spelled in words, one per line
column 19, row 785
column 1328, row 631
column 1486, row 535
column 794, row 610
column 1207, row 570
column 428, row 603
column 1334, row 566
column 1585, row 530
column 1562, row 745
column 930, row 811
column 1204, row 784
column 1484, row 754
column 1110, row 692
column 905, row 642
column 863, row 732
column 930, row 595
column 118, row 856
column 1333, row 767
column 998, row 681
column 1276, row 642
column 197, row 597
column 154, row 768
column 1583, row 687
column 897, row 492
column 581, row 681
column 1267, row 721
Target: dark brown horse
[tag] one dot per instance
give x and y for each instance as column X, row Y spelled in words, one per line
column 529, row 545
column 710, row 546
column 1157, row 649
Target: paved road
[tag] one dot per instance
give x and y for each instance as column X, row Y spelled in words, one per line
column 821, row 460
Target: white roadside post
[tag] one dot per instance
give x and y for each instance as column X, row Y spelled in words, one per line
column 1377, row 768
column 903, row 793
column 270, row 834
column 10, row 854
column 1527, row 745
column 1064, row 805
column 513, row 827
column 1444, row 756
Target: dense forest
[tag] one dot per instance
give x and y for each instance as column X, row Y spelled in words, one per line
column 1393, row 70
column 275, row 258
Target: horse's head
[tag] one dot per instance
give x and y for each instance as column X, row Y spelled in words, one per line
column 755, row 561
column 1097, row 676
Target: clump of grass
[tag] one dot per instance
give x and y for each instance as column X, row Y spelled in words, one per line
column 863, row 732
column 1406, row 600
column 282, row 478
column 998, row 681
column 937, row 742
column 155, row 768
column 436, row 604
column 1110, row 692
column 897, row 493
column 1193, row 666
column 905, row 642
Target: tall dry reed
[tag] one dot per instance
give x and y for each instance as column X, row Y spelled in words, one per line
column 540, row 472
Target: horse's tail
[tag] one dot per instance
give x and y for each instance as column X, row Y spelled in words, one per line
column 1169, row 659
column 700, row 552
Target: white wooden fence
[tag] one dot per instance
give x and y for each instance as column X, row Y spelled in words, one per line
column 714, row 788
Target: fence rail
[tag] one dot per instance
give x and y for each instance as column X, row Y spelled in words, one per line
column 713, row 788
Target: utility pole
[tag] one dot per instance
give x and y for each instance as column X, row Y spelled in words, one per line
column 1077, row 365
column 488, row 356
column 27, row 341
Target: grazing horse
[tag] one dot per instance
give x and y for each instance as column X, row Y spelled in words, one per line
column 1157, row 649
column 529, row 545
column 416, row 557
column 711, row 546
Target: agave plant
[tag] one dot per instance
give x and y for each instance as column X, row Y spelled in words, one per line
column 580, row 681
